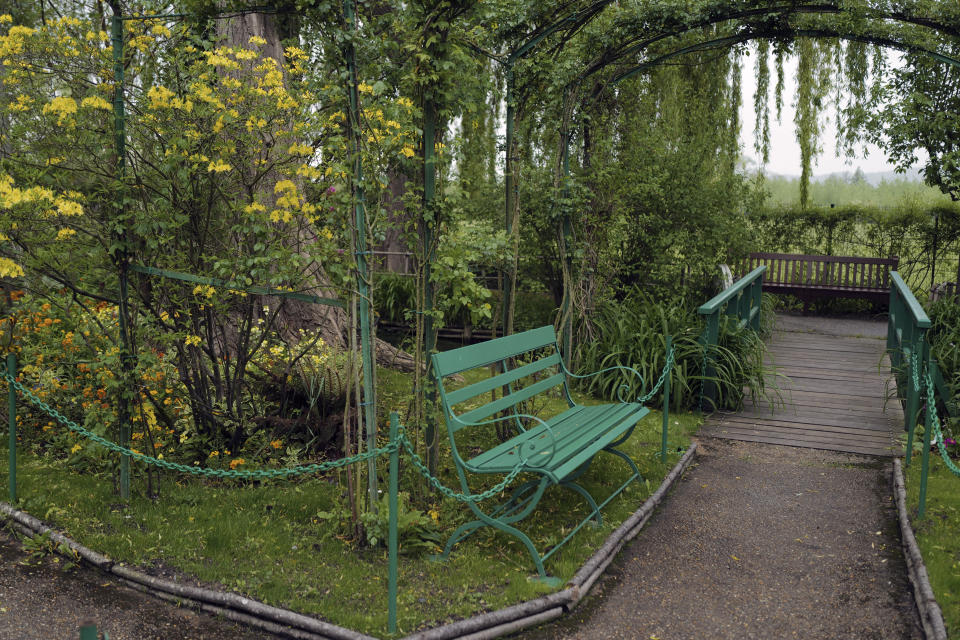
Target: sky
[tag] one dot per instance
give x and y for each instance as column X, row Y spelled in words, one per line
column 784, row 150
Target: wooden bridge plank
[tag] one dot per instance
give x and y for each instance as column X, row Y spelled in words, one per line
column 835, row 393
column 769, row 438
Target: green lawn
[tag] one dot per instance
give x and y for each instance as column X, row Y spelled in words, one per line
column 282, row 542
column 937, row 533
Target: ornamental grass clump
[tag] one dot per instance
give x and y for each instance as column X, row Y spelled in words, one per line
column 632, row 333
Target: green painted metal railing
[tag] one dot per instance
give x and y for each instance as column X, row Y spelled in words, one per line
column 919, row 381
column 906, row 344
column 742, row 301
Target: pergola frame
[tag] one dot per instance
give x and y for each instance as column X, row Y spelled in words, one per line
column 566, row 27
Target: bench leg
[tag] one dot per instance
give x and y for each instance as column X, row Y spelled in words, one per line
column 596, row 517
column 570, row 483
column 633, row 465
column 522, row 507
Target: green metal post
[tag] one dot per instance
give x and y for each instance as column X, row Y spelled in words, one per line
column 12, row 414
column 758, row 301
column 429, row 211
column 510, row 199
column 910, row 413
column 709, row 372
column 567, row 256
column 392, row 535
column 119, row 128
column 89, row 632
column 666, row 406
column 925, row 455
column 363, row 283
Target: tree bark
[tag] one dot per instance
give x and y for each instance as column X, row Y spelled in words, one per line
column 331, row 322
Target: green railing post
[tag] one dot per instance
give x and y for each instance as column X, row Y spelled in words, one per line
column 89, row 632
column 731, row 302
column 912, row 398
column 710, row 338
column 12, row 414
column 925, row 456
column 759, row 301
column 392, row 534
column 367, row 361
column 907, row 347
column 120, row 141
column 666, row 405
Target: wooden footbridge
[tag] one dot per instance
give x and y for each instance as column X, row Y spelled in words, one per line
column 834, row 379
column 835, row 390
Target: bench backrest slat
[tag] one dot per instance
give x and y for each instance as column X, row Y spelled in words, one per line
column 508, row 401
column 484, row 353
column 462, row 395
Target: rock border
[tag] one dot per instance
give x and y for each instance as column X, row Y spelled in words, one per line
column 930, row 615
column 295, row 625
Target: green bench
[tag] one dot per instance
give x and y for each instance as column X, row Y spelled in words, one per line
column 556, row 451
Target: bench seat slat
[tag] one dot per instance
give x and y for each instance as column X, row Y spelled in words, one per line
column 484, row 353
column 461, row 395
column 508, row 401
column 581, row 432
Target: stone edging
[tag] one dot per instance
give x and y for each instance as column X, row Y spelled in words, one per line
column 930, row 615
column 295, row 625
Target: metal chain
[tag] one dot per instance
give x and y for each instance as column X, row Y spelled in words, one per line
column 194, row 470
column 663, row 376
column 935, row 420
column 450, row 493
column 915, row 369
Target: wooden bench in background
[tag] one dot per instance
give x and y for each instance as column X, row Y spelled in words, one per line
column 812, row 278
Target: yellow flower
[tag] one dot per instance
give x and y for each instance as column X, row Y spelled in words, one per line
column 218, row 166
column 285, row 185
column 257, row 40
column 65, row 233
column 96, row 102
column 75, row 448
column 63, row 107
column 159, row 97
column 214, row 454
column 9, row 269
column 408, row 151
column 298, row 149
column 160, row 30
column 192, row 340
column 276, row 444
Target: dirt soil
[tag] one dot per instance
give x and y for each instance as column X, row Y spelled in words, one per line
column 759, row 541
column 40, row 600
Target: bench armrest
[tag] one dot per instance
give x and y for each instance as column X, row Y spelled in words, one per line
column 524, row 448
column 621, row 390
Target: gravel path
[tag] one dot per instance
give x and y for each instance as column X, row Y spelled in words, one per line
column 39, row 600
column 760, row 541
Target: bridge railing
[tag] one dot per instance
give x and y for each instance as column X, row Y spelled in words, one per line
column 741, row 300
column 908, row 350
column 919, row 380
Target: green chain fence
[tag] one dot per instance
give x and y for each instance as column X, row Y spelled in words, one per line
column 398, row 442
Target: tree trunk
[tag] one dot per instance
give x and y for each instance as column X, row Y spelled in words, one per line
column 294, row 316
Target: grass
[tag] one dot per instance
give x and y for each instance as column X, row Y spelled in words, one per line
column 937, row 533
column 276, row 541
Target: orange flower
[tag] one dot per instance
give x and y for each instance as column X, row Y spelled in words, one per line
column 236, row 462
